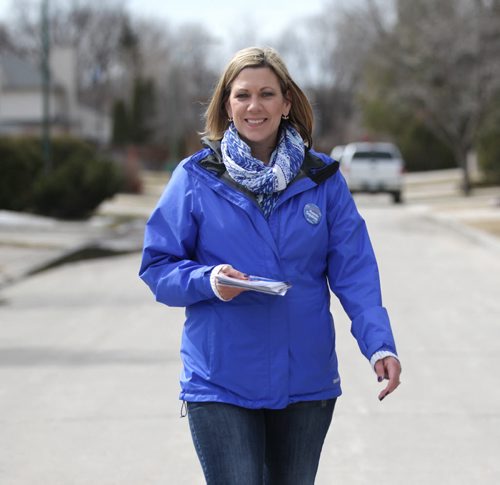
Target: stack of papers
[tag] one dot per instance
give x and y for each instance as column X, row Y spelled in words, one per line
column 256, row 283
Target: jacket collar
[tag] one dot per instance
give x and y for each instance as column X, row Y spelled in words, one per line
column 313, row 167
column 213, row 163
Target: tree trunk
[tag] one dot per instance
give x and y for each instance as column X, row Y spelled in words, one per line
column 461, row 158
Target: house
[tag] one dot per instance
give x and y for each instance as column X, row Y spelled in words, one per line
column 21, row 99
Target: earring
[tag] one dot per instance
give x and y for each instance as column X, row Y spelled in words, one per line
column 230, row 119
column 284, row 117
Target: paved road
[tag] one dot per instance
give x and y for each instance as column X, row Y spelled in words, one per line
column 89, row 372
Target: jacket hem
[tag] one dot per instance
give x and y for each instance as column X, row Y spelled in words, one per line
column 261, row 403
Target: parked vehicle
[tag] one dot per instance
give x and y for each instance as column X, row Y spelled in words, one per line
column 337, row 151
column 373, row 167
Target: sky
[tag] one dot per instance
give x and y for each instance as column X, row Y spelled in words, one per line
column 234, row 24
column 229, row 15
column 227, row 18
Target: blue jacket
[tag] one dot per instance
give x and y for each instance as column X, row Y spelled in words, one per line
column 260, row 350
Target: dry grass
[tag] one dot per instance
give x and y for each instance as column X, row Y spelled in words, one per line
column 491, row 226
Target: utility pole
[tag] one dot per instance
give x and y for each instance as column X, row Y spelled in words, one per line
column 46, row 81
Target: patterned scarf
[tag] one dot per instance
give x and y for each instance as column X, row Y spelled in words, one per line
column 266, row 181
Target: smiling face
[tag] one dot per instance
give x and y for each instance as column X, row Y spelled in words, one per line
column 256, row 105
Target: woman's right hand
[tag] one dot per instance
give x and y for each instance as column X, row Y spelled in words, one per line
column 228, row 292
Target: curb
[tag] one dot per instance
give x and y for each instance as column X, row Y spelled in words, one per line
column 475, row 235
column 125, row 238
column 86, row 251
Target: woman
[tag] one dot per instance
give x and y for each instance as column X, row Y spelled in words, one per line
column 260, row 371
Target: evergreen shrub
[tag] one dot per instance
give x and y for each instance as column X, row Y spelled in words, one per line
column 74, row 185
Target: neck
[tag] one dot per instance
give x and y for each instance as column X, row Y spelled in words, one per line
column 262, row 154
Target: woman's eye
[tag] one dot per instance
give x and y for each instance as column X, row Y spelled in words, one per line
column 267, row 94
column 241, row 95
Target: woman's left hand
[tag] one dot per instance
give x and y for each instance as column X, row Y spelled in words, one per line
column 388, row 368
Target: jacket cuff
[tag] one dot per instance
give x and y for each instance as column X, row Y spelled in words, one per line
column 382, row 354
column 213, row 282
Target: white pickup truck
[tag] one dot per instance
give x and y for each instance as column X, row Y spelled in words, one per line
column 372, row 167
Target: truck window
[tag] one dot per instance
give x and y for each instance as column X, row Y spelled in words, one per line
column 372, row 155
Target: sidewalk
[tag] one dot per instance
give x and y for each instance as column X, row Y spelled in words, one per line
column 437, row 195
column 30, row 244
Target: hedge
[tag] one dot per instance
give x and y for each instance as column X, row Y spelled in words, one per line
column 78, row 180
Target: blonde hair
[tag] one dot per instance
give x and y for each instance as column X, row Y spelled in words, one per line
column 301, row 114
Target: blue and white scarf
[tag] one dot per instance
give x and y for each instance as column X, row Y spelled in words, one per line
column 266, row 181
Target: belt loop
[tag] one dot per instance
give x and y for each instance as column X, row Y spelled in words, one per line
column 184, row 409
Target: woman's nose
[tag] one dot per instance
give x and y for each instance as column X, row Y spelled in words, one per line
column 254, row 103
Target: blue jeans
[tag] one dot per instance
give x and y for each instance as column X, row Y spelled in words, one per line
column 240, row 446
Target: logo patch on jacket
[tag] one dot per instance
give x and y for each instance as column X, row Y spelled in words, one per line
column 312, row 213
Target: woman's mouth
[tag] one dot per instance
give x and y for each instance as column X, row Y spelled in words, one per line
column 255, row 122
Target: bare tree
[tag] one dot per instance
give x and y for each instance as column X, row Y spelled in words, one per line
column 327, row 53
column 116, row 53
column 5, row 42
column 346, row 50
column 186, row 83
column 92, row 28
column 441, row 60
